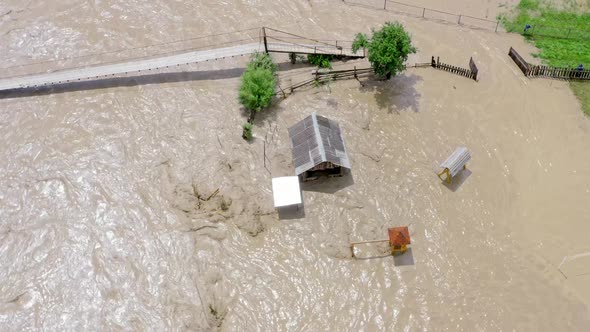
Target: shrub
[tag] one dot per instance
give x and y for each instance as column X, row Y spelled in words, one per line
column 247, row 131
column 262, row 61
column 360, row 41
column 320, row 60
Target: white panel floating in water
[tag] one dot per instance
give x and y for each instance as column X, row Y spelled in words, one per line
column 455, row 163
column 286, row 191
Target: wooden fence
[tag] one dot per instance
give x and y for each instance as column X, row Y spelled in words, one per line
column 469, row 73
column 523, row 65
column 341, row 74
column 427, row 13
column 562, row 32
column 473, row 68
column 325, row 76
column 559, row 72
column 530, row 70
column 322, row 76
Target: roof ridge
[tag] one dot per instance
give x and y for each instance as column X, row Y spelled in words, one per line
column 318, row 136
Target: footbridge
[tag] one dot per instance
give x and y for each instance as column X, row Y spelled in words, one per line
column 271, row 40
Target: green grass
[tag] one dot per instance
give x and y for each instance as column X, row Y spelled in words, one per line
column 582, row 91
column 562, row 37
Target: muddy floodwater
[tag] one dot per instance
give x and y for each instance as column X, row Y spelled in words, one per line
column 135, row 205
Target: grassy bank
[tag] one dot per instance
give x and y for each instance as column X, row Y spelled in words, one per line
column 561, row 35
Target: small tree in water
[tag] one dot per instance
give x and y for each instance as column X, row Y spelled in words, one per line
column 388, row 49
column 247, row 131
column 258, row 84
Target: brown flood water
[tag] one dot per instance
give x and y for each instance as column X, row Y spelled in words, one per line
column 102, row 227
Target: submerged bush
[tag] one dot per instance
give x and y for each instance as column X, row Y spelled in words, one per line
column 320, row 60
column 262, row 61
column 247, row 131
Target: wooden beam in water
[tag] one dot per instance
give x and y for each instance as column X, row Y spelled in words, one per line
column 352, row 244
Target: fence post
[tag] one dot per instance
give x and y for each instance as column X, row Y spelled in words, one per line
column 264, row 153
column 423, row 11
column 568, row 32
column 384, row 4
column 459, row 22
column 497, row 24
column 264, row 37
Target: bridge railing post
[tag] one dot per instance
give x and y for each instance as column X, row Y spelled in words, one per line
column 264, row 38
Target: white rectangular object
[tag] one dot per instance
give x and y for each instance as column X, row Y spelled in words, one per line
column 286, row 191
column 457, row 160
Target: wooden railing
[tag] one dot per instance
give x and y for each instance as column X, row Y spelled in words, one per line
column 285, row 42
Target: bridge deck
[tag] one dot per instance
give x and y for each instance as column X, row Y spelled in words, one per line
column 111, row 70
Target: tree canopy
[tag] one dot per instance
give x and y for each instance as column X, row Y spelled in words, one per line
column 388, row 48
column 262, row 61
column 258, row 84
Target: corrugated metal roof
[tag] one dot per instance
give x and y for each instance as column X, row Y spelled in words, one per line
column 317, row 139
column 399, row 236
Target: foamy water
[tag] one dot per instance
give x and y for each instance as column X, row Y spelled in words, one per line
column 110, row 218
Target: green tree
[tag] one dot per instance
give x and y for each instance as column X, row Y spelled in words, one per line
column 258, row 84
column 388, row 48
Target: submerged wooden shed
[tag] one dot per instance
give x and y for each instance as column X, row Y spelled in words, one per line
column 399, row 238
column 318, row 148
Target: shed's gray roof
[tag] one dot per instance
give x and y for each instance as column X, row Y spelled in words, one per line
column 317, row 139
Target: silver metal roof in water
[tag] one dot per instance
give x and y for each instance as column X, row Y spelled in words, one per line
column 315, row 140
